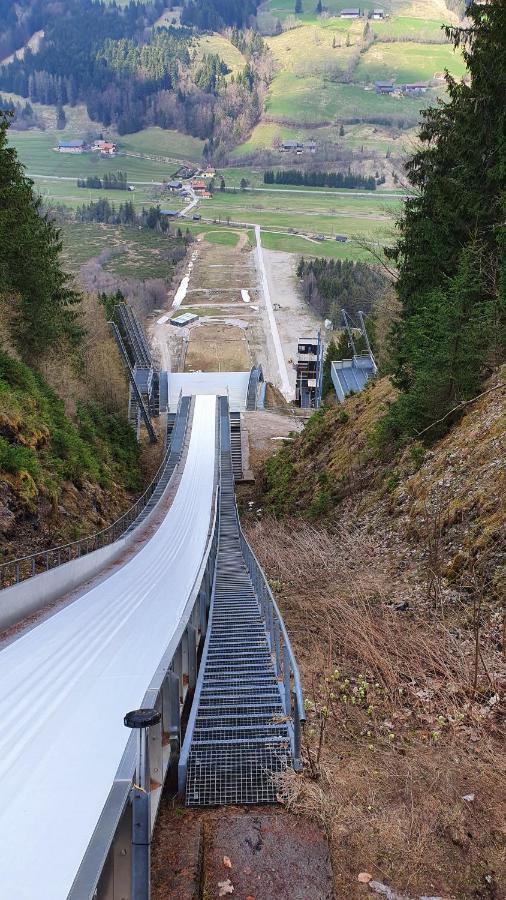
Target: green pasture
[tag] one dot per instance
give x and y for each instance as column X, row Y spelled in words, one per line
column 309, row 49
column 311, row 101
column 224, row 236
column 297, row 244
column 68, row 194
column 157, row 141
column 404, row 62
column 410, row 28
column 216, row 43
column 36, row 152
column 329, row 215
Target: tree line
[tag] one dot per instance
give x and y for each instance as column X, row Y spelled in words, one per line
column 153, row 219
column 320, row 179
column 110, row 181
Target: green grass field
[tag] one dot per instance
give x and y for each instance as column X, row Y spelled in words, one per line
column 296, row 244
column 160, row 142
column 35, row 149
column 404, row 62
column 310, row 102
column 309, row 213
column 408, row 27
column 216, row 43
column 67, row 193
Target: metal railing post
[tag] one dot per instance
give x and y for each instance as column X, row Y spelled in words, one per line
column 141, row 720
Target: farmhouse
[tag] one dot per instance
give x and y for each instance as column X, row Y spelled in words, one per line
column 378, row 14
column 174, row 185
column 71, row 146
column 198, row 185
column 385, row 87
column 416, row 87
column 298, row 146
column 171, row 213
column 208, row 173
column 353, row 13
column 106, row 147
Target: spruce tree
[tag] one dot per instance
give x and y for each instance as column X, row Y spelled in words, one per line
column 31, row 277
column 450, row 251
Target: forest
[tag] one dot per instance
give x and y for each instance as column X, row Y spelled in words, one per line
column 130, row 76
column 330, row 285
column 320, row 179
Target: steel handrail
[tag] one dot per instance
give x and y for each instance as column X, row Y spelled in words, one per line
column 284, row 654
column 81, row 546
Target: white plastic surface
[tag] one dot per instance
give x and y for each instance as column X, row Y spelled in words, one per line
column 221, row 383
column 66, row 685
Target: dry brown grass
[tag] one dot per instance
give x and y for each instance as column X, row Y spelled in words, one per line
column 217, row 348
column 391, row 710
column 98, row 376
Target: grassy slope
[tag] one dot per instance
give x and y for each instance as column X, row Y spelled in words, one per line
column 376, row 590
column 60, row 477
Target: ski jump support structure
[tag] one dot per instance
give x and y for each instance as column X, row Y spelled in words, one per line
column 247, row 712
column 136, row 406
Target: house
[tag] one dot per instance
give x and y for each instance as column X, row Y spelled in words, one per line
column 198, row 185
column 342, row 238
column 108, row 148
column 71, row 146
column 171, row 213
column 290, row 145
column 353, row 13
column 378, row 14
column 385, row 87
column 208, row 173
column 416, row 87
column 174, row 185
column 206, row 195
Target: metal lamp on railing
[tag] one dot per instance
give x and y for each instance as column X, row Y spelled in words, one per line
column 141, row 720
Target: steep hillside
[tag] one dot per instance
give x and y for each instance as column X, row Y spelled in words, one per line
column 59, row 478
column 390, row 576
column 451, row 488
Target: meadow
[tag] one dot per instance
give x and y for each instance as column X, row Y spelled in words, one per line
column 216, row 43
column 139, row 251
column 404, row 62
column 310, row 213
column 299, row 245
column 312, row 102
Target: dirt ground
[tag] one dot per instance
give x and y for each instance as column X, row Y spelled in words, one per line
column 217, row 348
column 218, row 274
column 294, row 318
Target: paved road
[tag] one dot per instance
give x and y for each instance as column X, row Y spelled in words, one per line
column 375, row 195
column 283, row 371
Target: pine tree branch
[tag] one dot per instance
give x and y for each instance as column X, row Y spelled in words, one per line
column 458, row 407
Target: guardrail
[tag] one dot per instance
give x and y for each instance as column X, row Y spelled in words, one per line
column 286, row 666
column 24, row 567
column 112, row 867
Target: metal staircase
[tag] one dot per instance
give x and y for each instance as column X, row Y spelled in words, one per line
column 241, row 732
column 236, row 444
column 136, row 405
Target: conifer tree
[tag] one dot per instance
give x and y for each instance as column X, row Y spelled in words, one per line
column 31, row 277
column 450, row 254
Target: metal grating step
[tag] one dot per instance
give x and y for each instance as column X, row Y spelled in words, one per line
column 238, row 775
column 240, row 738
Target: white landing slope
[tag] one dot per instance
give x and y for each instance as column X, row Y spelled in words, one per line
column 66, row 685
